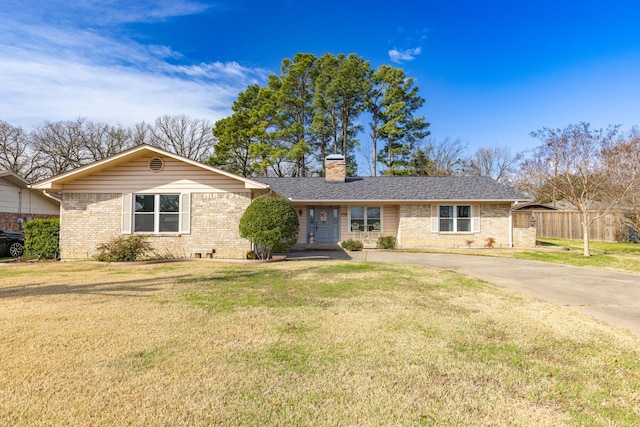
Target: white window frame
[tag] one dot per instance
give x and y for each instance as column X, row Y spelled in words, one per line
column 156, row 213
column 366, row 216
column 129, row 213
column 455, row 218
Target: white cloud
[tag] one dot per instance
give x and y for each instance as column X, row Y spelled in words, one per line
column 400, row 56
column 101, row 12
column 63, row 72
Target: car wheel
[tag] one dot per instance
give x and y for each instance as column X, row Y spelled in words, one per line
column 16, row 249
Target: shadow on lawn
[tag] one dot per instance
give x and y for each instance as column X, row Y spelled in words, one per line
column 133, row 288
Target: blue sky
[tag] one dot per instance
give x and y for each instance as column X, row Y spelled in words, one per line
column 490, row 71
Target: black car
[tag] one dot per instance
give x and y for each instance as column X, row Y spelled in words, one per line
column 11, row 243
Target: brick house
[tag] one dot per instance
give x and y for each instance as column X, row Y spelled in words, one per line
column 187, row 208
column 19, row 203
column 421, row 212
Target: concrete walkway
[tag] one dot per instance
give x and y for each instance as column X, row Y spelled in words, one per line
column 610, row 296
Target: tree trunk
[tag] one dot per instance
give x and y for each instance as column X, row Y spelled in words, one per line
column 585, row 237
column 373, row 165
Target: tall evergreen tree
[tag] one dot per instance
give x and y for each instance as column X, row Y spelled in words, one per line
column 243, row 140
column 325, row 119
column 311, row 109
column 392, row 103
column 294, row 91
column 348, row 91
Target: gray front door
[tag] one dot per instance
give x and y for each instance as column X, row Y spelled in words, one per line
column 323, row 224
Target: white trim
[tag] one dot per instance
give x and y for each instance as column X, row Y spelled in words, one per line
column 366, row 216
column 185, row 213
column 455, row 219
column 396, row 201
column 435, row 219
column 510, row 228
column 56, row 182
column 476, row 219
column 156, row 213
column 127, row 211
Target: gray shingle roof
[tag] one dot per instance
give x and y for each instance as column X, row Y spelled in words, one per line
column 393, row 188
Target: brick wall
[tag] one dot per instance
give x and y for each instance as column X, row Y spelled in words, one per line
column 214, row 223
column 8, row 220
column 89, row 219
column 86, row 220
column 524, row 237
column 414, row 230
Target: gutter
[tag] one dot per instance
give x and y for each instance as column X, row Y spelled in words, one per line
column 397, row 201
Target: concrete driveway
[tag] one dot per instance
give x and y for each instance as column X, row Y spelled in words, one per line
column 606, row 295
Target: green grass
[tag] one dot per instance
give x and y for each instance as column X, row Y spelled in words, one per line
column 607, row 255
column 301, row 343
column 241, row 286
column 604, row 255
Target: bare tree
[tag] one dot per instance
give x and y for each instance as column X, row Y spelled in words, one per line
column 101, row 140
column 496, row 162
column 449, row 155
column 623, row 162
column 70, row 144
column 591, row 168
column 182, row 135
column 17, row 154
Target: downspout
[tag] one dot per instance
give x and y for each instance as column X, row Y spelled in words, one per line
column 19, row 219
column 511, row 227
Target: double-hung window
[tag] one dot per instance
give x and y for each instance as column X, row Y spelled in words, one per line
column 156, row 213
column 454, row 219
column 365, row 218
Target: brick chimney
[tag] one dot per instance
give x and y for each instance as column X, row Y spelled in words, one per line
column 335, row 168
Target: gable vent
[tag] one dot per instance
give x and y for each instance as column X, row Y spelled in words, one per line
column 156, row 164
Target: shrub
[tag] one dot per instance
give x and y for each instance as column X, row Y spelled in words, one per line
column 271, row 224
column 42, row 237
column 352, row 245
column 386, row 242
column 132, row 247
column 489, row 242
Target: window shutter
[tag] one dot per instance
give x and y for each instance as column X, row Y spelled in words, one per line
column 434, row 218
column 185, row 213
column 476, row 218
column 126, row 213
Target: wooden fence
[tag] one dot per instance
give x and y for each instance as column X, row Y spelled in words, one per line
column 566, row 225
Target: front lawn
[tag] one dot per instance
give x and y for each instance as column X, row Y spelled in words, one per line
column 300, row 343
column 623, row 256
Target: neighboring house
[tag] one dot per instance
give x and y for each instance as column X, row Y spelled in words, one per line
column 188, row 208
column 529, row 206
column 19, row 203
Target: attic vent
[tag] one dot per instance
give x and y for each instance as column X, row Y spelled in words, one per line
column 156, row 164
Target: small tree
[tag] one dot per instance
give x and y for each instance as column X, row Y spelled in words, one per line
column 270, row 223
column 593, row 169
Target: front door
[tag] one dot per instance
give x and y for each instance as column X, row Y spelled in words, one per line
column 323, row 224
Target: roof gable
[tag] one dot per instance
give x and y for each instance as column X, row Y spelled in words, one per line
column 57, row 182
column 14, row 178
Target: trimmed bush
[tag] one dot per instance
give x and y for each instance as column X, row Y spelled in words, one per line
column 132, row 247
column 386, row 242
column 352, row 245
column 42, row 238
column 271, row 224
